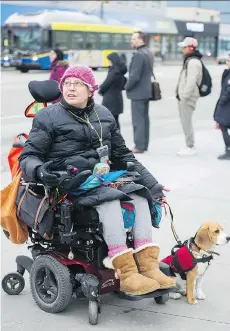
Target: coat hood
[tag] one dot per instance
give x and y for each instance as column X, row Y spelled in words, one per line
column 196, row 53
column 118, row 65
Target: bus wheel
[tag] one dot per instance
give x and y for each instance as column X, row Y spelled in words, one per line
column 24, row 70
column 94, row 68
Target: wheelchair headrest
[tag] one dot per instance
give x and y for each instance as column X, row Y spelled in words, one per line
column 44, row 91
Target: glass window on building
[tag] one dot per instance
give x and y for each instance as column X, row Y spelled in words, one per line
column 157, row 45
column 105, row 41
column 61, row 40
column 92, row 40
column 77, row 40
column 225, row 44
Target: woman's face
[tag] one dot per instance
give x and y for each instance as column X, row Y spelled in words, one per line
column 53, row 56
column 75, row 92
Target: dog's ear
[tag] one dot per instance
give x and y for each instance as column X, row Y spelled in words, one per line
column 214, row 230
column 203, row 239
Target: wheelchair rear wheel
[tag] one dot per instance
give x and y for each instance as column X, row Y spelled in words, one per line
column 50, row 284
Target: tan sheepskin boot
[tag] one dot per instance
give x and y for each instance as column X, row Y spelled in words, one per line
column 148, row 265
column 131, row 282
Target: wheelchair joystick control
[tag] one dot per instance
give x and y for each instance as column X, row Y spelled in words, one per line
column 71, row 170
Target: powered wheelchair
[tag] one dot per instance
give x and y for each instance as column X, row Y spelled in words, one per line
column 69, row 263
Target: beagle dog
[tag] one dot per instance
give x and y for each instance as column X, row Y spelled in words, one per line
column 200, row 250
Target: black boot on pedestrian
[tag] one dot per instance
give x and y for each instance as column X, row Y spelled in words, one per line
column 225, row 156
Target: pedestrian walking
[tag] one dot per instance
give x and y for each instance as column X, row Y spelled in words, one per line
column 139, row 90
column 58, row 65
column 222, row 111
column 187, row 91
column 112, row 87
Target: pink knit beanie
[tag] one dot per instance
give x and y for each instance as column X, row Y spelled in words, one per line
column 85, row 74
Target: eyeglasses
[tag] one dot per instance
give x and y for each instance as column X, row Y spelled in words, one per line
column 75, row 84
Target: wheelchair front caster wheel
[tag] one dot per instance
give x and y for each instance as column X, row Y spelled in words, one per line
column 93, row 312
column 13, row 283
column 162, row 299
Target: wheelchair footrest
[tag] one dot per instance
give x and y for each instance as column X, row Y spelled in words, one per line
column 155, row 294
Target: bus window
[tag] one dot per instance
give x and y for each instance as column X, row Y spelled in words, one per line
column 117, row 41
column 92, row 41
column 105, row 41
column 61, row 40
column 47, row 39
column 127, row 41
column 21, row 38
column 76, row 40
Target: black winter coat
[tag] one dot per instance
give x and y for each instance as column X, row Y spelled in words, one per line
column 57, row 135
column 111, row 89
column 222, row 111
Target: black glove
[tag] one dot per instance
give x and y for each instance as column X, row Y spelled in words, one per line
column 157, row 192
column 44, row 175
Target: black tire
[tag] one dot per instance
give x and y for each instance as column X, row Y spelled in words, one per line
column 16, row 282
column 162, row 300
column 93, row 312
column 24, row 70
column 47, row 267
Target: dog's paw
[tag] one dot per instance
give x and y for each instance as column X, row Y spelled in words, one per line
column 200, row 295
column 192, row 301
column 174, row 295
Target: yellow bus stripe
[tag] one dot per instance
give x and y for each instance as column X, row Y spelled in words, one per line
column 92, row 28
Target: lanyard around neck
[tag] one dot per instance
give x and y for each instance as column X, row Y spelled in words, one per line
column 87, row 121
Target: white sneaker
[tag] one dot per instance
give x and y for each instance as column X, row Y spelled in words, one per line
column 187, row 151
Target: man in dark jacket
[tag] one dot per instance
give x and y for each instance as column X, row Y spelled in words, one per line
column 73, row 132
column 139, row 90
column 222, row 111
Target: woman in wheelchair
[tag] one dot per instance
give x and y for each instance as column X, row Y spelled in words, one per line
column 78, row 132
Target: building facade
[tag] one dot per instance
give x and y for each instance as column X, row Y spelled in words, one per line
column 223, row 7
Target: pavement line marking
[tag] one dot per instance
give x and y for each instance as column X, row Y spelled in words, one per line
column 170, row 314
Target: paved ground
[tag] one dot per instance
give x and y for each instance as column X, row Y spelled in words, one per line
column 200, row 192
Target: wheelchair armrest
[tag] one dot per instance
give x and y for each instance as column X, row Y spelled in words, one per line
column 68, row 183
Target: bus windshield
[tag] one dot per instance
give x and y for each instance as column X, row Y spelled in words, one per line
column 28, row 38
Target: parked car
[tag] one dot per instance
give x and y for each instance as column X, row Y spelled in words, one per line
column 222, row 57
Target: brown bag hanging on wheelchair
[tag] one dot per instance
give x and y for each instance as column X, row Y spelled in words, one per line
column 18, row 231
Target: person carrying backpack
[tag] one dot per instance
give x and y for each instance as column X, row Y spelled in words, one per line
column 194, row 82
